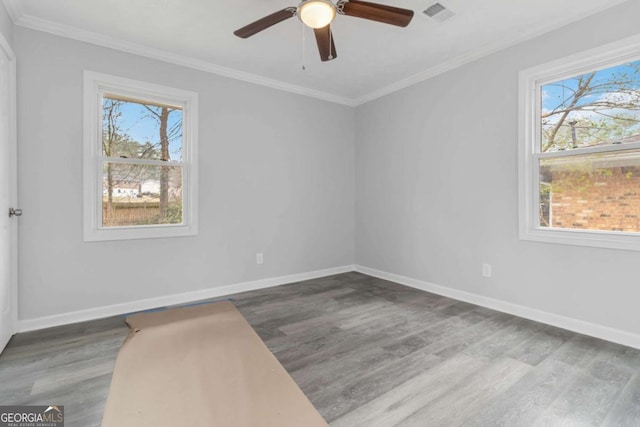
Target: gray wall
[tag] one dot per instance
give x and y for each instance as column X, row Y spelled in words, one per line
column 435, row 172
column 437, row 188
column 275, row 173
column 6, row 25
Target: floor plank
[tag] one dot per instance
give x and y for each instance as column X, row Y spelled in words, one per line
column 369, row 352
column 467, row 398
column 626, row 410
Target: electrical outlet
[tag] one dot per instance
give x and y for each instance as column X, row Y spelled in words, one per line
column 259, row 258
column 486, row 270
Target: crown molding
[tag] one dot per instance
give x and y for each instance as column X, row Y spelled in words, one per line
column 427, row 74
column 477, row 54
column 14, row 8
column 91, row 37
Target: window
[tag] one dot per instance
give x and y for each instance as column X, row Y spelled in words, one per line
column 140, row 175
column 580, row 149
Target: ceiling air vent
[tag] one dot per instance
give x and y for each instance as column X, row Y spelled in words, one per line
column 438, row 12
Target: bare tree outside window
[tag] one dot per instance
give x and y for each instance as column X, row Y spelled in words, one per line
column 137, row 138
column 601, row 107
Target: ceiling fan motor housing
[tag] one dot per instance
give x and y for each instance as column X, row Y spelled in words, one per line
column 316, row 13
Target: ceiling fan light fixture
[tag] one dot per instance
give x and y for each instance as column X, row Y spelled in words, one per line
column 316, row 13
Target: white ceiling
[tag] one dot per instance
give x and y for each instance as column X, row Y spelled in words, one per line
column 373, row 58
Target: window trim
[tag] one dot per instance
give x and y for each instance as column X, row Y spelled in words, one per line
column 530, row 82
column 95, row 85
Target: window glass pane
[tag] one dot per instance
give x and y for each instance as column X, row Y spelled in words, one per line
column 591, row 192
column 135, row 129
column 141, row 195
column 593, row 109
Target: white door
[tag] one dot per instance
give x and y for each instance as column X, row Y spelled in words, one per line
column 8, row 226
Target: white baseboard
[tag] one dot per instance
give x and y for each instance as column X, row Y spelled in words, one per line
column 580, row 326
column 26, row 325
column 587, row 328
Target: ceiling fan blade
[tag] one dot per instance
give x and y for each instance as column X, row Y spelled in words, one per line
column 377, row 12
column 326, row 47
column 266, row 22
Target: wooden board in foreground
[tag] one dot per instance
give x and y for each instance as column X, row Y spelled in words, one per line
column 202, row 366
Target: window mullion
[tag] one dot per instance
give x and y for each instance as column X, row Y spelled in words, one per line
column 137, row 161
column 589, row 150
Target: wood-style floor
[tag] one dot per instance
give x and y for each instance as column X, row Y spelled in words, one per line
column 368, row 352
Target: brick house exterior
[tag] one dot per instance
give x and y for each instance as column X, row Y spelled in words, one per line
column 605, row 196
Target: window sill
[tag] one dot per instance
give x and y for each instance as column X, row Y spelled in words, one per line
column 134, row 233
column 592, row 238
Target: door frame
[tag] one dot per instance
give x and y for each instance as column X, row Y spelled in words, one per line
column 13, row 182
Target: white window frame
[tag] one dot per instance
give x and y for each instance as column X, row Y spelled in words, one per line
column 95, row 86
column 530, row 83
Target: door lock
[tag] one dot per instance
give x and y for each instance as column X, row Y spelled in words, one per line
column 15, row 212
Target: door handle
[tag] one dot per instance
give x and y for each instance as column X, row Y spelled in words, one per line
column 15, row 212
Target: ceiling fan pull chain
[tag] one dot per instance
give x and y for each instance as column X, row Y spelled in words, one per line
column 330, row 51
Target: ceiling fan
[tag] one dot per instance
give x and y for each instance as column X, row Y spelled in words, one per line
column 318, row 14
